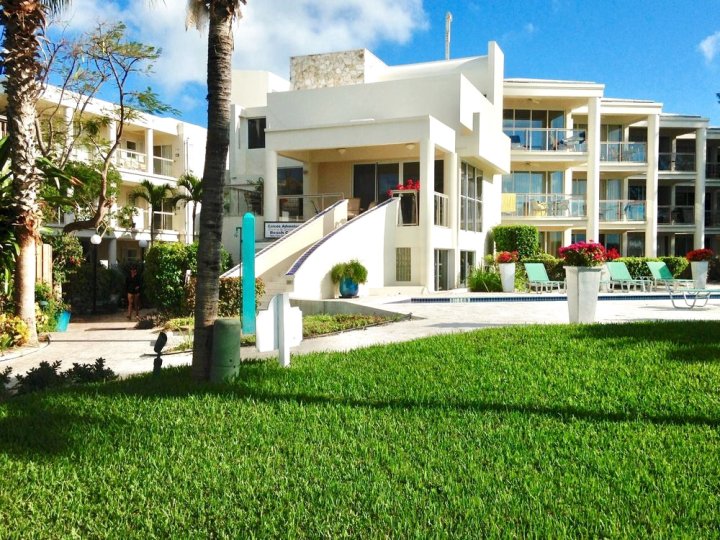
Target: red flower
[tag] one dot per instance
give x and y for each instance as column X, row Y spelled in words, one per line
column 698, row 255
column 612, row 254
column 583, row 254
column 506, row 257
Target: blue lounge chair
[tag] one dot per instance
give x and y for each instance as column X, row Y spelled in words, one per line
column 539, row 280
column 661, row 275
column 620, row 276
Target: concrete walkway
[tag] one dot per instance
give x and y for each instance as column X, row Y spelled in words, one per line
column 128, row 350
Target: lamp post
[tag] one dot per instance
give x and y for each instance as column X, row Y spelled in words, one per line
column 143, row 244
column 95, row 240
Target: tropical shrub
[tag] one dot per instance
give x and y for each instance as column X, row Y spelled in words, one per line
column 13, row 331
column 47, row 375
column 352, row 269
column 230, row 297
column 484, row 280
column 521, row 238
column 67, row 255
column 107, row 282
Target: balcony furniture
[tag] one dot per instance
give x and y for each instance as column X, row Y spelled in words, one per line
column 620, row 276
column 661, row 275
column 690, row 297
column 538, row 208
column 353, row 207
column 515, row 142
column 539, row 280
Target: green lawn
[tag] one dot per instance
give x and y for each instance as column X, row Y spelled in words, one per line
column 560, row 431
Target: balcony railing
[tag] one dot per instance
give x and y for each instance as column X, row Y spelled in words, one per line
column 303, row 207
column 712, row 170
column 442, row 218
column 162, row 166
column 674, row 161
column 409, row 211
column 622, row 210
column 543, row 205
column 676, row 215
column 547, row 139
column 625, row 152
column 130, row 159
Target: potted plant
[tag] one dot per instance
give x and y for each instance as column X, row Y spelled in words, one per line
column 348, row 276
column 583, row 262
column 506, row 263
column 699, row 259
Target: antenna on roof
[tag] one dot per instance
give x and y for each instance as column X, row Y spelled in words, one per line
column 448, row 21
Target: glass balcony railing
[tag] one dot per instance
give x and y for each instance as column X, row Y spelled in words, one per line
column 547, row 139
column 675, row 161
column 552, row 205
column 625, row 152
column 676, row 215
column 621, row 210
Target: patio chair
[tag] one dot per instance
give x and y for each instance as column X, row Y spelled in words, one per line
column 661, row 275
column 620, row 276
column 539, row 280
column 353, row 207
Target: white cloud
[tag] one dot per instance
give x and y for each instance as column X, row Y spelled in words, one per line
column 710, row 46
column 270, row 32
column 529, row 28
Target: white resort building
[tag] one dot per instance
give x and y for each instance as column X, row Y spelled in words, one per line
column 408, row 168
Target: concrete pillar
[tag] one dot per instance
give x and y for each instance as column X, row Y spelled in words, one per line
column 700, row 159
column 593, row 170
column 149, row 143
column 450, row 172
column 427, row 183
column 651, row 186
column 112, row 251
column 270, row 187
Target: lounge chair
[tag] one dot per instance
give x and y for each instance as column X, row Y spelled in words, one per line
column 539, row 280
column 353, row 207
column 661, row 275
column 620, row 276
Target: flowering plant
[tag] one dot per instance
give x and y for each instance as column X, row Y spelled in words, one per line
column 409, row 184
column 612, row 254
column 506, row 257
column 583, row 254
column 697, row 255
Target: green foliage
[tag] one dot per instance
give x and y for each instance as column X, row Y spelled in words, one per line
column 47, row 375
column 318, row 325
column 67, row 255
column 89, row 373
column 553, row 266
column 4, row 381
column 164, row 276
column 109, row 286
column 47, row 308
column 521, row 238
column 484, row 280
column 638, row 269
column 230, row 296
column 13, row 331
column 192, row 249
column 544, row 431
column 8, row 243
column 352, row 269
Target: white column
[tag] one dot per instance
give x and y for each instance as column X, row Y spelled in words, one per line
column 651, row 185
column 270, row 189
column 451, row 188
column 149, row 143
column 593, row 170
column 112, row 251
column 427, row 190
column 700, row 159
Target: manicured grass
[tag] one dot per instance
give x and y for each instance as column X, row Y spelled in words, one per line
column 544, row 431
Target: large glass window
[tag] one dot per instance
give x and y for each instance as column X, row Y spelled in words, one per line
column 533, row 182
column 256, row 132
column 470, row 198
column 529, row 128
column 371, row 181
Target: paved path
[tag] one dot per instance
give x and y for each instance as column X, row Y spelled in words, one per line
column 128, row 350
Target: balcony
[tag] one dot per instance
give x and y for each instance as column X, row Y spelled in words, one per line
column 544, row 205
column 547, row 139
column 674, row 161
column 130, row 159
column 622, row 210
column 623, row 152
column 676, row 215
column 712, row 170
column 409, row 211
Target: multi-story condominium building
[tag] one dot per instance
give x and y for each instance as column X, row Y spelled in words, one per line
column 151, row 148
column 486, row 150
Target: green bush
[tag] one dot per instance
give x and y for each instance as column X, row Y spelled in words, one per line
column 48, row 375
column 484, row 280
column 67, row 255
column 4, row 381
column 352, row 269
column 638, row 269
column 81, row 282
column 230, row 296
column 521, row 238
column 13, row 331
column 192, row 250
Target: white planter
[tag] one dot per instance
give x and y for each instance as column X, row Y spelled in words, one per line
column 583, row 285
column 507, row 276
column 699, row 273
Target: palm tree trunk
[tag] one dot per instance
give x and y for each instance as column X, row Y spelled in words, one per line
column 21, row 20
column 220, row 48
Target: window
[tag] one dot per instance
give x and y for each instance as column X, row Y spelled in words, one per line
column 470, row 197
column 256, row 132
column 529, row 128
column 533, row 182
column 467, row 263
column 402, row 264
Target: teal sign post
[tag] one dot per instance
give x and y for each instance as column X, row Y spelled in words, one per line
column 247, row 252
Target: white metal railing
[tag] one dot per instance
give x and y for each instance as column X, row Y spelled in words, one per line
column 162, row 166
column 633, row 152
column 676, row 215
column 543, row 205
column 303, row 207
column 676, row 161
column 409, row 211
column 130, row 159
column 547, row 139
column 621, row 210
column 442, row 218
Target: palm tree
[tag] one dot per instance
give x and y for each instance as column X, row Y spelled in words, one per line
column 154, row 195
column 192, row 193
column 220, row 14
column 23, row 23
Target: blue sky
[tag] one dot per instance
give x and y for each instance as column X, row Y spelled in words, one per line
column 668, row 51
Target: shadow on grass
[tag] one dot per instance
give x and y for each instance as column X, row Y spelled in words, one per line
column 35, row 426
